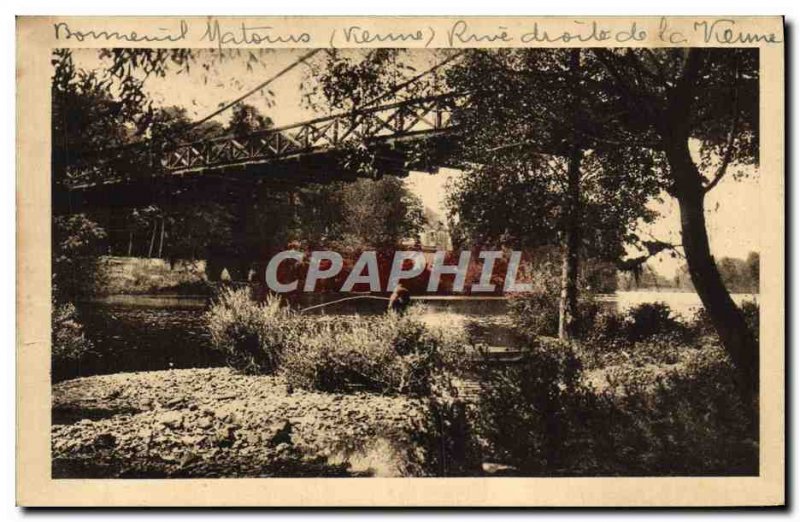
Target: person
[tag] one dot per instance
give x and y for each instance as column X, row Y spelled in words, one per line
column 400, row 299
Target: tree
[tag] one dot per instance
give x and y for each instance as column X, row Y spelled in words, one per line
column 528, row 113
column 680, row 101
column 668, row 104
column 75, row 244
column 753, row 262
column 247, row 119
column 380, row 213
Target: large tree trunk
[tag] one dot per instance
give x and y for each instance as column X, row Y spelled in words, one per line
column 568, row 303
column 728, row 321
column 688, row 189
column 570, row 262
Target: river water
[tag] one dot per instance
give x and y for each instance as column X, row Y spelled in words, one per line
column 137, row 333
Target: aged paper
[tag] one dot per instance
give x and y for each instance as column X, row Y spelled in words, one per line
column 596, row 205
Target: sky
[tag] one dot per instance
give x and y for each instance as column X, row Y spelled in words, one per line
column 733, row 212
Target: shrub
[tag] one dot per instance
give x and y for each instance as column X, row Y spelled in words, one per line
column 689, row 420
column 442, row 443
column 76, row 242
column 701, row 322
column 752, row 314
column 647, row 320
column 536, row 313
column 533, row 415
column 386, row 354
column 541, row 417
column 69, row 343
column 251, row 334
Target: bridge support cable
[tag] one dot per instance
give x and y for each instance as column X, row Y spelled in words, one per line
column 405, row 84
column 254, row 90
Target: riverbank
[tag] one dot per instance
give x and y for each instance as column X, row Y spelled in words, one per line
column 217, row 423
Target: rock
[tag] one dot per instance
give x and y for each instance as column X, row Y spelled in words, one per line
column 225, row 436
column 174, row 403
column 113, row 394
column 171, row 419
column 188, row 459
column 105, row 441
column 204, row 423
column 281, row 434
column 254, row 439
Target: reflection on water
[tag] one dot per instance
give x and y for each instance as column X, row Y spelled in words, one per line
column 136, row 333
column 136, row 337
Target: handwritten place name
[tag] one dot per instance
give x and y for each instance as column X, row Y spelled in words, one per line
column 724, row 31
column 719, row 32
column 250, row 35
column 161, row 34
column 355, row 34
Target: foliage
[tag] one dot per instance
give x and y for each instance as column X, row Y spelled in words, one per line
column 536, row 313
column 251, row 334
column 648, row 328
column 443, row 442
column 532, row 414
column 363, row 213
column 246, row 119
column 380, row 212
column 76, row 242
column 197, row 229
column 648, row 320
column 533, row 103
column 701, row 322
column 687, row 421
column 385, row 354
column 739, row 275
column 543, row 418
column 69, row 343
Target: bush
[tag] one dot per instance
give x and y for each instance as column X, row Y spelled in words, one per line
column 76, row 243
column 536, row 313
column 701, row 322
column 648, row 320
column 69, row 344
column 251, row 334
column 686, row 421
column 541, row 417
column 533, row 415
column 386, row 354
column 389, row 353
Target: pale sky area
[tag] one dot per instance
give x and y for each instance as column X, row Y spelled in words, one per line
column 733, row 208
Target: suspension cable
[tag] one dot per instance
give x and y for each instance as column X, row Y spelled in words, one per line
column 254, row 90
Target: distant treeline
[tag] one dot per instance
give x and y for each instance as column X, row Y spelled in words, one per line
column 739, row 276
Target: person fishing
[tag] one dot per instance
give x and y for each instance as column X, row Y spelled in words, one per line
column 400, row 299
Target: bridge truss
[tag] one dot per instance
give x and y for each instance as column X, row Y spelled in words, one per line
column 406, row 119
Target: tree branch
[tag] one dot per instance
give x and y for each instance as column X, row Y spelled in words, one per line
column 726, row 158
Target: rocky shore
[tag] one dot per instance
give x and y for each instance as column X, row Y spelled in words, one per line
column 217, row 423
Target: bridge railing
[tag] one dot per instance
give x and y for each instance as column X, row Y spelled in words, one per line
column 405, row 118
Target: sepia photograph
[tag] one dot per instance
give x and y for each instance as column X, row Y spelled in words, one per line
column 629, row 349
column 461, row 261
